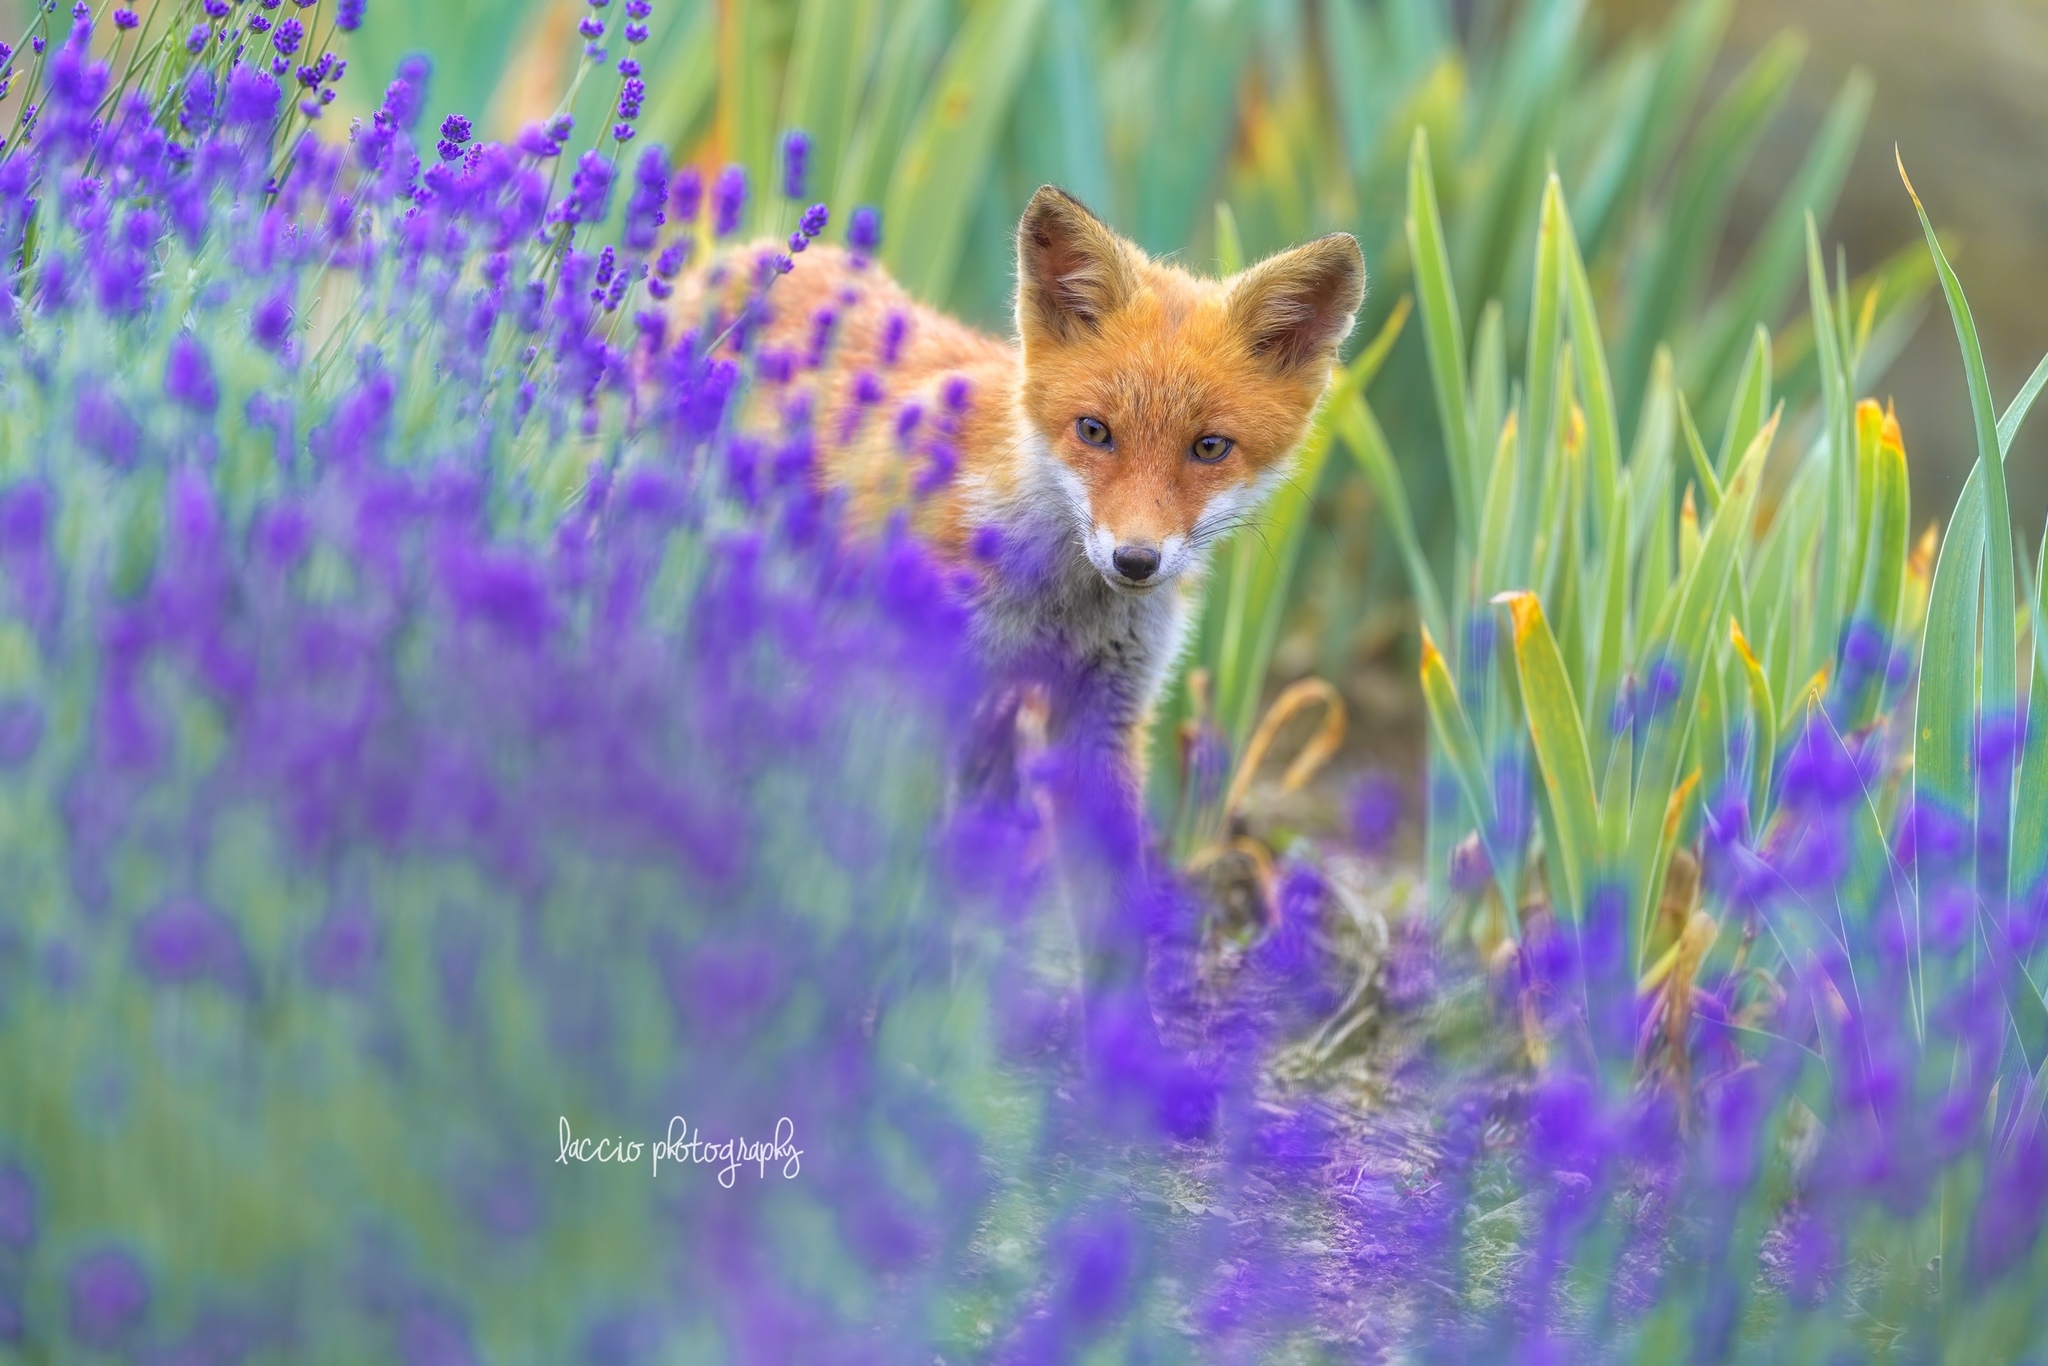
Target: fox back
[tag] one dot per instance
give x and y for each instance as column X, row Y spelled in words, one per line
column 1082, row 472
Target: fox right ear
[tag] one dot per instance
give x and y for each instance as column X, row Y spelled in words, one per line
column 1072, row 270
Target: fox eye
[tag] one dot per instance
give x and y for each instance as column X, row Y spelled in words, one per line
column 1092, row 431
column 1210, row 449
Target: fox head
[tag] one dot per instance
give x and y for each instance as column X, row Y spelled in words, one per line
column 1169, row 405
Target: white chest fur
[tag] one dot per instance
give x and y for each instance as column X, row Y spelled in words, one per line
column 1119, row 647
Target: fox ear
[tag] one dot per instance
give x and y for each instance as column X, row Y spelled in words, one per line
column 1072, row 270
column 1297, row 307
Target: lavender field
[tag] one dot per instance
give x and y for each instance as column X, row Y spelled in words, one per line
column 497, row 866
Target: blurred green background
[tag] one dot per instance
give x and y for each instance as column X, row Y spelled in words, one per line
column 1691, row 139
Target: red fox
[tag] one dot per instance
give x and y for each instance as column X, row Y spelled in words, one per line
column 1081, row 473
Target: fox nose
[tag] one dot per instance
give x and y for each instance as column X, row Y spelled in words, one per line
column 1136, row 562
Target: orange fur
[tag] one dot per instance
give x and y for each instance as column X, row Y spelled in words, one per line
column 1159, row 357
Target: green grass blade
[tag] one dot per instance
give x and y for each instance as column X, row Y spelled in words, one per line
column 1884, row 560
column 1541, row 394
column 1751, row 404
column 1489, row 391
column 1498, row 516
column 1229, row 244
column 1763, row 283
column 828, row 66
column 1552, row 711
column 939, row 176
column 2009, row 425
column 1368, row 444
column 1685, row 646
column 1838, row 456
column 1459, row 744
column 914, row 40
column 1997, row 660
column 1946, row 702
column 1603, row 424
column 1699, row 205
column 2000, row 606
column 1763, row 712
column 689, row 82
column 1066, row 140
column 1702, row 468
column 1611, row 645
column 746, row 100
column 2030, row 800
column 1443, row 336
column 1188, row 115
column 1684, row 54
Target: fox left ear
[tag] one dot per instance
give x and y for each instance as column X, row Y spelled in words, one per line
column 1297, row 307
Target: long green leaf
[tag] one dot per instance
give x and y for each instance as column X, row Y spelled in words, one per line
column 1997, row 660
column 1768, row 273
column 1763, row 713
column 1684, row 647
column 2009, row 425
column 1838, row 456
column 1540, row 396
column 1702, row 467
column 1443, row 335
column 1751, row 404
column 1552, row 711
column 1603, row 424
column 1368, row 445
column 903, row 69
column 1699, row 205
column 939, row 175
column 2030, row 800
column 1457, row 743
column 1642, row 146
column 1884, row 561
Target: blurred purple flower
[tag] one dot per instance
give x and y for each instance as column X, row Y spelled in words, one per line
column 18, row 1225
column 188, row 376
column 109, row 1296
column 728, row 200
column 1373, row 807
column 185, row 940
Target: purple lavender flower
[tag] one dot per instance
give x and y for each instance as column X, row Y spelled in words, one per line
column 348, row 14
column 1374, row 809
column 590, row 190
column 728, row 200
column 186, row 940
column 288, row 36
column 895, row 331
column 536, row 141
column 188, row 376
column 687, row 194
column 270, row 322
column 407, row 96
column 796, row 160
column 17, row 1208
column 645, row 209
column 864, row 230
column 21, row 734
column 252, row 98
column 109, row 1295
